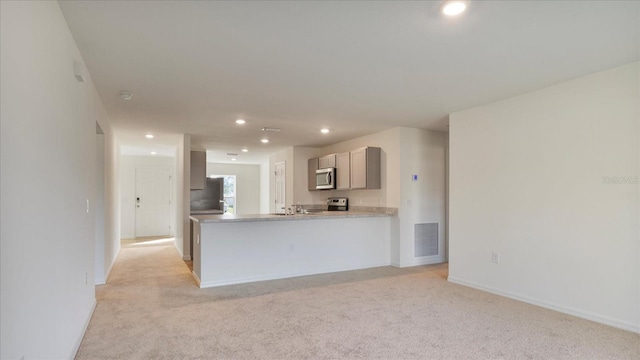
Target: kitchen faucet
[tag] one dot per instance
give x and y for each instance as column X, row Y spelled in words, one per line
column 298, row 207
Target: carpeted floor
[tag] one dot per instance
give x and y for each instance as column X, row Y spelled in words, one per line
column 152, row 309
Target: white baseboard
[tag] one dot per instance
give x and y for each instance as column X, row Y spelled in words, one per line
column 76, row 347
column 108, row 274
column 177, row 248
column 559, row 308
column 216, row 283
column 186, row 257
column 113, row 262
column 427, row 260
column 195, row 276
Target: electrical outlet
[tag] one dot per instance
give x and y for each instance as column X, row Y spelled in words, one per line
column 291, row 247
column 495, row 257
column 86, row 280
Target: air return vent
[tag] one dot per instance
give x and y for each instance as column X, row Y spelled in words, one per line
column 426, row 239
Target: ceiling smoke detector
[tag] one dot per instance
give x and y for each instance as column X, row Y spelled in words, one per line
column 126, row 95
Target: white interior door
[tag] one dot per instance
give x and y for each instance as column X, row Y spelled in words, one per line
column 280, row 203
column 153, row 201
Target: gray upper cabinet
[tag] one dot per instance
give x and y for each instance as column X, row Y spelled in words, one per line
column 365, row 168
column 312, row 166
column 198, row 170
column 328, row 161
column 343, row 171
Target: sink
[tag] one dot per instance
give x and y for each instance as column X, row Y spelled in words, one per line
column 313, row 211
column 306, row 212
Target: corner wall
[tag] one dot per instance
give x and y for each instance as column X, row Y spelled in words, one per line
column 405, row 152
column 423, row 201
column 111, row 247
column 549, row 181
column 47, row 185
column 183, row 186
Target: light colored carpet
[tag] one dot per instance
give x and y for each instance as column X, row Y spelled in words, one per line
column 152, row 309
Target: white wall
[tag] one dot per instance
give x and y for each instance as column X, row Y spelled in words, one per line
column 48, row 156
column 247, row 184
column 100, row 198
column 264, row 188
column 110, row 248
column 527, row 180
column 422, row 153
column 183, row 186
column 128, row 165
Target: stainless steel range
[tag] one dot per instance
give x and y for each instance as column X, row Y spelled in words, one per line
column 337, row 204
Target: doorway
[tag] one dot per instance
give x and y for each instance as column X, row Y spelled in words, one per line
column 280, row 190
column 229, row 193
column 153, row 201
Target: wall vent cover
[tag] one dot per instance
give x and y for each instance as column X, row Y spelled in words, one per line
column 426, row 239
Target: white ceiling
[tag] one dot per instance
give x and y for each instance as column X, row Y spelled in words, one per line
column 355, row 67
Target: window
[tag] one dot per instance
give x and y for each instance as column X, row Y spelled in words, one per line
column 229, row 192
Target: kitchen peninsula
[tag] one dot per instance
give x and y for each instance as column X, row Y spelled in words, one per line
column 233, row 249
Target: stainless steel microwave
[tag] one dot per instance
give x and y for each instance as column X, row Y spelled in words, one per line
column 326, row 179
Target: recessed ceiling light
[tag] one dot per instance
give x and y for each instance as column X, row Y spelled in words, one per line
column 149, row 136
column 270, row 129
column 126, row 95
column 454, row 8
column 153, row 153
column 233, row 159
column 324, row 131
column 245, row 150
column 240, row 122
column 264, row 141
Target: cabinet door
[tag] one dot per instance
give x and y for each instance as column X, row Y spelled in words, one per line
column 328, row 161
column 312, row 166
column 374, row 165
column 359, row 168
column 198, row 170
column 331, row 160
column 322, row 162
column 343, row 171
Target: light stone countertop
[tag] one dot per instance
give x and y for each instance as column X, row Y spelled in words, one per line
column 275, row 217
